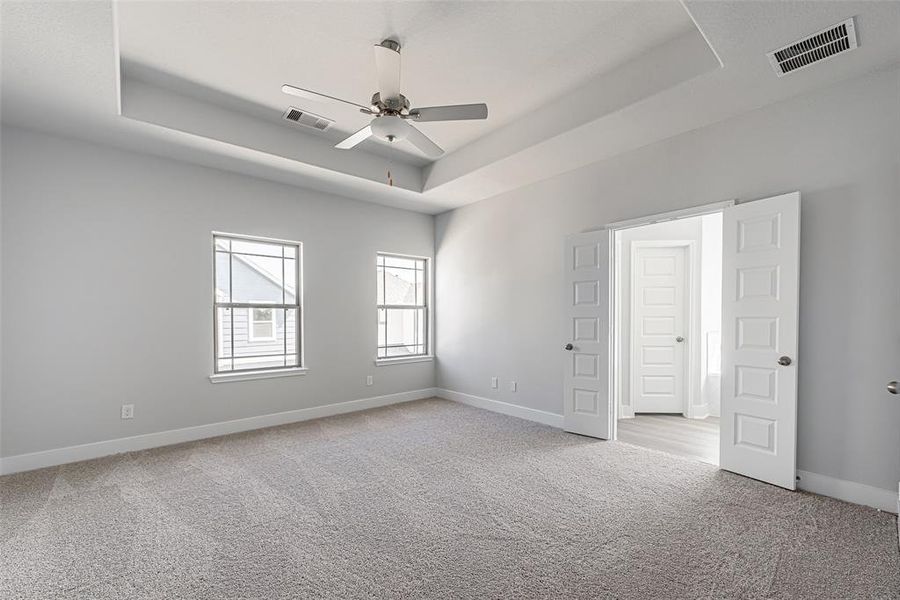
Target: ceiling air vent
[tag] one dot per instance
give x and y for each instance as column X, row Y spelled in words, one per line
column 815, row 48
column 307, row 119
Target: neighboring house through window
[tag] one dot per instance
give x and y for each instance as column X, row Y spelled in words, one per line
column 262, row 325
column 402, row 306
column 257, row 304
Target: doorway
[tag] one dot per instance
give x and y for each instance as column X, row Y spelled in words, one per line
column 668, row 323
column 758, row 329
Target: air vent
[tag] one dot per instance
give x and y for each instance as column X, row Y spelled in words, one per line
column 307, row 119
column 815, row 48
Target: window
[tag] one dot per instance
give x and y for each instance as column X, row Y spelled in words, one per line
column 257, row 304
column 402, row 284
column 262, row 325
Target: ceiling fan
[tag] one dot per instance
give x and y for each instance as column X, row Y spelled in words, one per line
column 390, row 109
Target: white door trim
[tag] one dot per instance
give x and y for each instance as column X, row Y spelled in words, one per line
column 692, row 364
column 672, row 215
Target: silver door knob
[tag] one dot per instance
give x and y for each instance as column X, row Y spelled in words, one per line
column 569, row 346
column 892, row 387
column 784, row 361
column 679, row 339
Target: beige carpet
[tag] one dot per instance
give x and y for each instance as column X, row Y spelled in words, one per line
column 429, row 500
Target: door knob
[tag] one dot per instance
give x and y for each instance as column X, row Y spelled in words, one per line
column 892, row 387
column 569, row 346
column 784, row 361
column 679, row 339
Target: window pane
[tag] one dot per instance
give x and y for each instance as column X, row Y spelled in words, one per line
column 399, row 286
column 253, row 337
column 396, row 352
column 265, row 362
column 290, row 281
column 256, row 279
column 223, row 287
column 223, row 333
column 402, row 333
column 289, row 319
column 400, row 261
column 244, row 246
column 421, row 300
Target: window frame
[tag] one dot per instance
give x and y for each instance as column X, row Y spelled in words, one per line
column 426, row 354
column 299, row 368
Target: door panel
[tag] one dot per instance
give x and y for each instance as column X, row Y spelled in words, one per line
column 761, row 251
column 587, row 409
column 659, row 317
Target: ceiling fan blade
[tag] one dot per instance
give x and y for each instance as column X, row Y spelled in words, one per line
column 387, row 64
column 357, row 138
column 311, row 95
column 457, row 112
column 422, row 142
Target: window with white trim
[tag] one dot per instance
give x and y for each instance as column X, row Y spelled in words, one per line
column 257, row 304
column 402, row 306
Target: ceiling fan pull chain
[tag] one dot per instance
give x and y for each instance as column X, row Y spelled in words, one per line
column 390, row 180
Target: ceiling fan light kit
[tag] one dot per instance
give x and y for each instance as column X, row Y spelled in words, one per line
column 391, row 110
column 389, row 127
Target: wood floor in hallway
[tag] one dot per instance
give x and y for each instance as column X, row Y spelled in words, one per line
column 694, row 438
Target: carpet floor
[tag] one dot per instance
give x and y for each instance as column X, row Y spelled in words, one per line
column 428, row 499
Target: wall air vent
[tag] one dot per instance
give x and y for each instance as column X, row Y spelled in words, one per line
column 307, row 119
column 837, row 39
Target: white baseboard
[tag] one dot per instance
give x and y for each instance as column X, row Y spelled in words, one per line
column 857, row 493
column 513, row 410
column 849, row 491
column 59, row 456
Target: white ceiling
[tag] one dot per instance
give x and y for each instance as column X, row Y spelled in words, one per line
column 515, row 57
column 567, row 83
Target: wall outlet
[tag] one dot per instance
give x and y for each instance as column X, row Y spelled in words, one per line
column 369, row 380
column 512, row 386
column 128, row 411
column 495, row 382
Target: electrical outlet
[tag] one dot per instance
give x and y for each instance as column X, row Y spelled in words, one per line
column 128, row 411
column 368, row 380
column 512, row 386
column 495, row 382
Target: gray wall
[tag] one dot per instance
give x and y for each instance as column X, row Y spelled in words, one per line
column 499, row 262
column 107, row 261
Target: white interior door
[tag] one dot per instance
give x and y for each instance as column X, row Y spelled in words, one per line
column 760, row 298
column 659, row 324
column 588, row 401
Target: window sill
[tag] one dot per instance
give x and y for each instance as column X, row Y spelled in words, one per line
column 250, row 375
column 383, row 362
